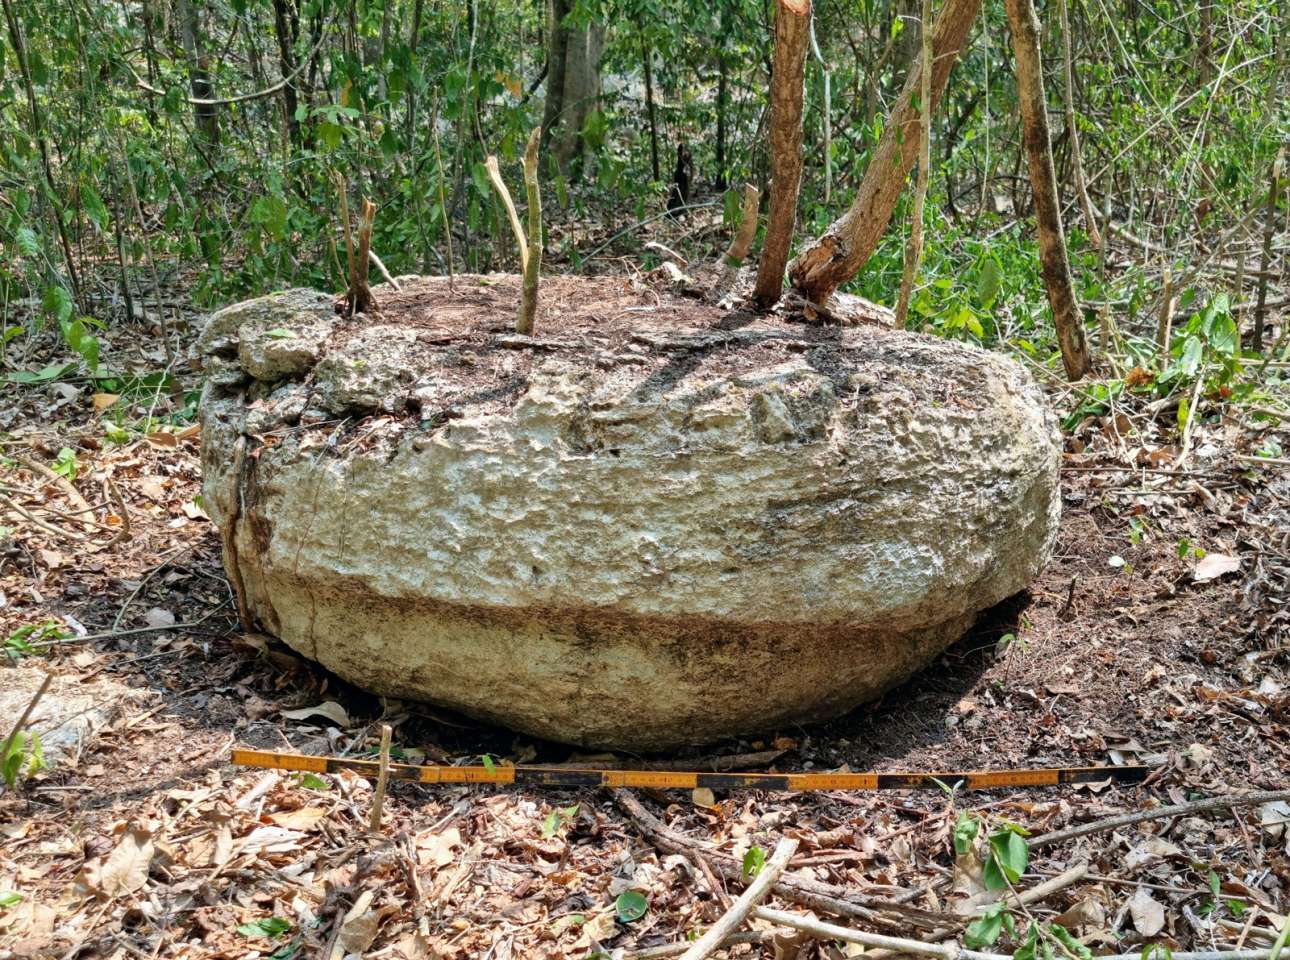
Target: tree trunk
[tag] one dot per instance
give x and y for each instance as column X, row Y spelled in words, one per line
column 286, row 25
column 1043, row 181
column 792, row 35
column 556, row 54
column 198, row 71
column 723, row 98
column 914, row 251
column 583, row 48
column 647, row 56
column 847, row 244
column 1072, row 130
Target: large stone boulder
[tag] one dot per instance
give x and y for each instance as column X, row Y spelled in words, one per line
column 654, row 523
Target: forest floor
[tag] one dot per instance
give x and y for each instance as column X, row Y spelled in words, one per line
column 1157, row 634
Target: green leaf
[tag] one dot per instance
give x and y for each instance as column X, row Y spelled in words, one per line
column 1193, row 351
column 314, row 782
column 271, row 927
column 987, row 282
column 9, row 898
column 28, row 242
column 630, row 905
column 279, row 334
column 57, row 303
column 550, row 825
column 965, row 831
column 489, row 765
column 1067, row 940
column 754, row 860
column 985, row 930
column 1028, row 951
column 1008, row 858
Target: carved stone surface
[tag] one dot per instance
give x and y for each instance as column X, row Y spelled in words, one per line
column 634, row 537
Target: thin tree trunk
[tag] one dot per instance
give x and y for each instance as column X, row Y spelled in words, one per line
column 198, row 71
column 914, row 252
column 826, row 112
column 38, row 134
column 647, row 57
column 1265, row 256
column 792, row 36
column 1077, row 165
column 847, row 244
column 1043, row 181
column 723, row 99
column 287, row 27
column 556, row 57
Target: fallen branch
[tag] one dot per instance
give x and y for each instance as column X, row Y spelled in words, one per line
column 823, row 897
column 676, row 949
column 952, row 951
column 756, row 892
column 60, row 481
column 1159, row 813
column 830, row 931
column 47, row 527
column 1043, row 890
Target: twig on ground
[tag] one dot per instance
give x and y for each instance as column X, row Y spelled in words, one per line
column 123, row 533
column 1042, row 890
column 1159, row 813
column 47, row 527
column 676, row 949
column 951, row 951
column 830, row 931
column 747, row 902
column 60, row 481
column 809, row 893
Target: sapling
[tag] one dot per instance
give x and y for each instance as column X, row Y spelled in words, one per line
column 531, row 246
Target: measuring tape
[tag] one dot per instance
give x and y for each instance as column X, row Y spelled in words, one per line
column 668, row 780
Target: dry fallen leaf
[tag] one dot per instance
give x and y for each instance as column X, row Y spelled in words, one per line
column 159, row 617
column 703, row 797
column 436, row 848
column 1087, row 913
column 360, row 925
column 306, row 818
column 1147, row 913
column 126, row 868
column 102, row 401
column 1214, row 565
column 329, row 709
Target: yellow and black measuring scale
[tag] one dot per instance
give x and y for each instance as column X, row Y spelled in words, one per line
column 538, row 776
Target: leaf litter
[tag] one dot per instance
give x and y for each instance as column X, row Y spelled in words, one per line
column 141, row 840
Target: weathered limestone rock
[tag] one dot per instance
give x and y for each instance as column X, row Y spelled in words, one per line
column 629, row 533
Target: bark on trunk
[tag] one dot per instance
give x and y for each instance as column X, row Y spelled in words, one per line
column 198, row 72
column 792, row 35
column 286, row 25
column 1043, row 181
column 647, row 56
column 850, row 240
column 557, row 49
column 584, row 46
